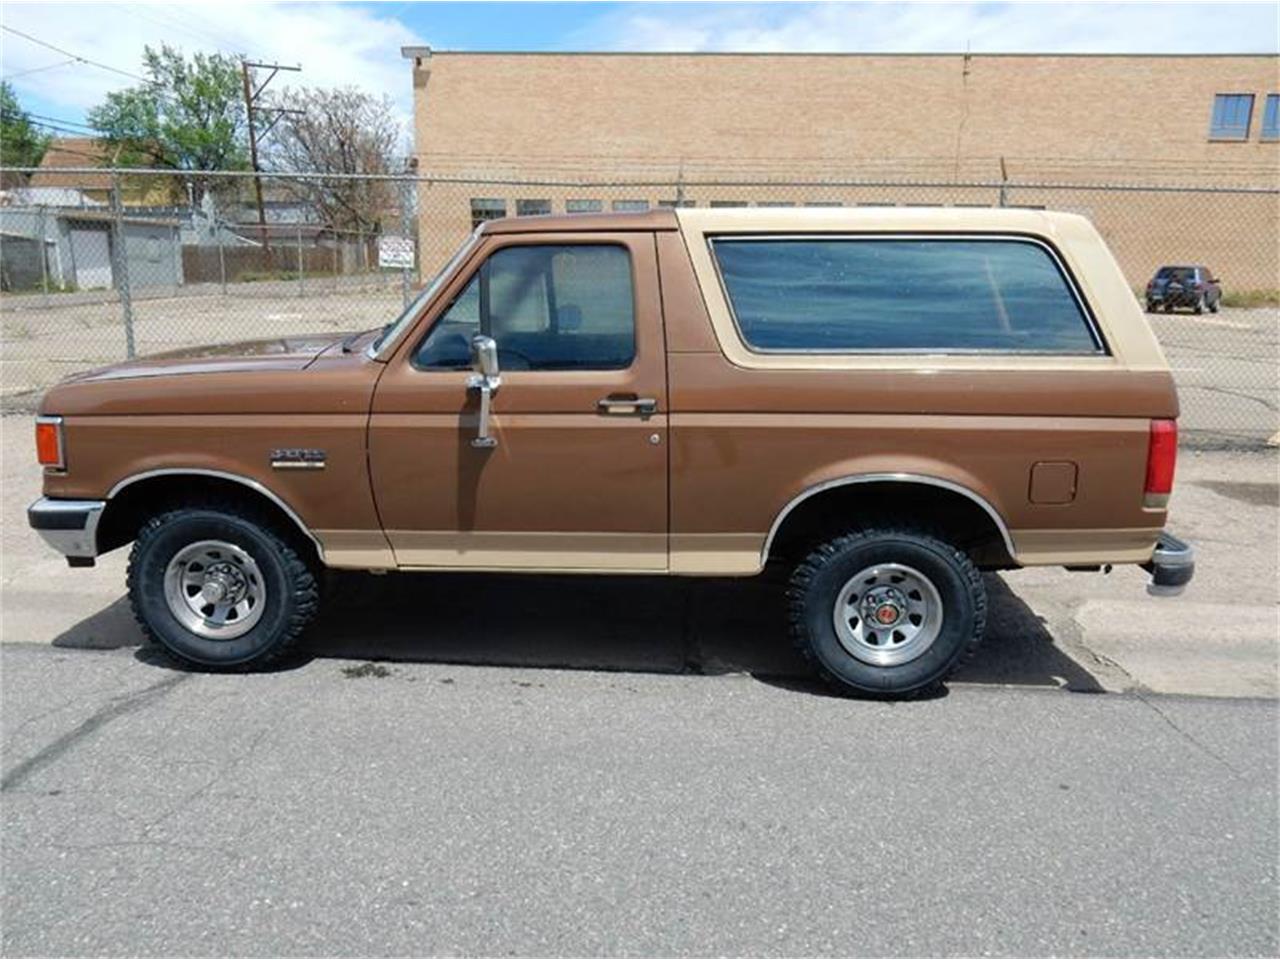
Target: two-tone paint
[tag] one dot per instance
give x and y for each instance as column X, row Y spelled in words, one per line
column 379, row 472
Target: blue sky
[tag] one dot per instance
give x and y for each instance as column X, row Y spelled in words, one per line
column 359, row 43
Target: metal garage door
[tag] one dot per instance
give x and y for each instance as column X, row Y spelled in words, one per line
column 91, row 254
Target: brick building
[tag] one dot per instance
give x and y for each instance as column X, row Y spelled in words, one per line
column 526, row 133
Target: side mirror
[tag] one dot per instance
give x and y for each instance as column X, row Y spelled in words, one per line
column 484, row 356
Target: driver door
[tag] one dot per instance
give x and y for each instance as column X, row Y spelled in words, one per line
column 577, row 479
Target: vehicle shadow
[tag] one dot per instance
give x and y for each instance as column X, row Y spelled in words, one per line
column 639, row 624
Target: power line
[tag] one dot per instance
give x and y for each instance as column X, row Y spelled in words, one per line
column 51, row 66
column 75, row 57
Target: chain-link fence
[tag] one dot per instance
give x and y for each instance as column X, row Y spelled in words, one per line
column 101, row 265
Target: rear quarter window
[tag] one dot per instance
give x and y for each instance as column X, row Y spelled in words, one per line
column 902, row 295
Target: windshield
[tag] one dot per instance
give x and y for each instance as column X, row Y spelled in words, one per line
column 396, row 328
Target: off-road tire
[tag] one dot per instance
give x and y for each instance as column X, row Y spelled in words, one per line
column 818, row 579
column 1198, row 306
column 1215, row 304
column 291, row 582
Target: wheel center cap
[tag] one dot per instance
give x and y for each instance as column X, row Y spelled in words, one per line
column 887, row 613
column 213, row 591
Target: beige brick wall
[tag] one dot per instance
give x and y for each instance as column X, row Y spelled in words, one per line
column 659, row 117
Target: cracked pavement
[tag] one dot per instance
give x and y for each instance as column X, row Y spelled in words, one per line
column 434, row 809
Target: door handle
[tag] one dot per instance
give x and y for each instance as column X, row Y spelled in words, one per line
column 487, row 386
column 642, row 406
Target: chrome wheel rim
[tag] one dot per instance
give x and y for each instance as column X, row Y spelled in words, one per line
column 888, row 614
column 215, row 589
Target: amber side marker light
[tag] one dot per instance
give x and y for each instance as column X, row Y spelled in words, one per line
column 49, row 452
column 1162, row 456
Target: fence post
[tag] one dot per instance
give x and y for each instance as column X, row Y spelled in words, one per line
column 222, row 256
column 44, row 258
column 1004, row 184
column 405, row 229
column 120, row 265
column 302, row 283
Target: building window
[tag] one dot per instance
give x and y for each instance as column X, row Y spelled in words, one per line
column 677, row 203
column 533, row 208
column 630, row 206
column 823, row 203
column 1271, row 117
column 583, row 206
column 774, row 203
column 1231, row 115
column 725, row 204
column 486, row 208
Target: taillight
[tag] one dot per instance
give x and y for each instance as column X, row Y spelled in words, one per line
column 1162, row 455
column 49, row 449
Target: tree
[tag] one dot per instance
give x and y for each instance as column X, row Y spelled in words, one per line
column 341, row 130
column 21, row 144
column 189, row 116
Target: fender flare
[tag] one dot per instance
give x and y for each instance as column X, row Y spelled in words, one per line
column 916, row 478
column 252, row 484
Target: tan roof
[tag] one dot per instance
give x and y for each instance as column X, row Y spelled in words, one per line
column 72, row 152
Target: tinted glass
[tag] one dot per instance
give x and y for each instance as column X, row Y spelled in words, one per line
column 888, row 295
column 554, row 307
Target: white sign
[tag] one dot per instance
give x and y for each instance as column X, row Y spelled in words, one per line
column 395, row 252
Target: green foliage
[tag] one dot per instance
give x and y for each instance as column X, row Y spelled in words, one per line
column 21, row 144
column 190, row 116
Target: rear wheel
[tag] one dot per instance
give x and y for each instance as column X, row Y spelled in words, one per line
column 220, row 587
column 1215, row 303
column 888, row 612
column 1198, row 306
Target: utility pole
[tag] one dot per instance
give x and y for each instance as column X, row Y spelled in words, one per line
column 250, row 99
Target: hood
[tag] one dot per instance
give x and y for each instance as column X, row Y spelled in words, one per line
column 277, row 353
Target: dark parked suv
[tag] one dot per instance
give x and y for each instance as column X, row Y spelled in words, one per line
column 1193, row 287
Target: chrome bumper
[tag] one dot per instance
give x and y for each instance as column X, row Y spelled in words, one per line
column 69, row 526
column 1172, row 565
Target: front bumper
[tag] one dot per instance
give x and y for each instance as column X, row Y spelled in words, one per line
column 1172, row 565
column 69, row 526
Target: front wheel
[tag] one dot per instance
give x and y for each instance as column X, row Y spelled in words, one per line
column 219, row 586
column 888, row 612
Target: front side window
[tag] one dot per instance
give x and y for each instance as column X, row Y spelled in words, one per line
column 901, row 295
column 549, row 307
column 1271, row 117
column 1231, row 115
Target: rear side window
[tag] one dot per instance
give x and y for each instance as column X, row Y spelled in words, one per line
column 895, row 295
column 548, row 307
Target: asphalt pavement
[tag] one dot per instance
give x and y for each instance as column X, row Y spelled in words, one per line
column 429, row 778
column 347, row 808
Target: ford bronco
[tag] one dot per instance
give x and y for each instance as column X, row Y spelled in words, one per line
column 882, row 402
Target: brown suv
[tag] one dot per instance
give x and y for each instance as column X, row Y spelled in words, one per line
column 886, row 401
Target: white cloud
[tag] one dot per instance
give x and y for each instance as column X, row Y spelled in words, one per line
column 336, row 44
column 941, row 27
